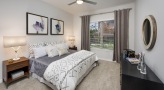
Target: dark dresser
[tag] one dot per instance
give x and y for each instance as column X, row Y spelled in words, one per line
column 132, row 79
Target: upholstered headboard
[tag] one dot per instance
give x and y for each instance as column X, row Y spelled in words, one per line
column 35, row 45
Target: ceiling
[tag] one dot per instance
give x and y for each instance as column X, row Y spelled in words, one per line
column 75, row 8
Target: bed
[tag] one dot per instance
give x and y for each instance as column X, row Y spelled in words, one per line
column 41, row 68
column 38, row 66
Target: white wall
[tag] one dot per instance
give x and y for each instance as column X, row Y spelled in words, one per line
column 13, row 23
column 77, row 22
column 102, row 17
column 153, row 58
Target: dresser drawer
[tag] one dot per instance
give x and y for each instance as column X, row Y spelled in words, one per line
column 17, row 66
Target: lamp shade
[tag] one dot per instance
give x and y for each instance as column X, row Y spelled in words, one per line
column 71, row 38
column 14, row 41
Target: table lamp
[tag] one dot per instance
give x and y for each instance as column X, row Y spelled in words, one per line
column 72, row 40
column 14, row 42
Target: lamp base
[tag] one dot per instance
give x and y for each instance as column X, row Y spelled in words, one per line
column 72, row 46
column 16, row 58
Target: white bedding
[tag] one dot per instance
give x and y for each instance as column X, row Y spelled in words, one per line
column 65, row 72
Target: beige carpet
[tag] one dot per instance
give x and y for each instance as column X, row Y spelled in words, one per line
column 106, row 76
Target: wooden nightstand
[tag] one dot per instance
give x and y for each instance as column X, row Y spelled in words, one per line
column 10, row 67
column 73, row 48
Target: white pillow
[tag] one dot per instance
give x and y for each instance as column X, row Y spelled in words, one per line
column 39, row 52
column 31, row 46
column 51, row 51
column 62, row 51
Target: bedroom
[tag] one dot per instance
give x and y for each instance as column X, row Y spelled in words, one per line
column 13, row 23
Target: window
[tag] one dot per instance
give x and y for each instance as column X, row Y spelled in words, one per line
column 102, row 34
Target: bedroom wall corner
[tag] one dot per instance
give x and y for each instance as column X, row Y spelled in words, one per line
column 0, row 80
column 154, row 57
column 13, row 23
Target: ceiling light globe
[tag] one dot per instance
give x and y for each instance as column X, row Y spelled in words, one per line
column 79, row 2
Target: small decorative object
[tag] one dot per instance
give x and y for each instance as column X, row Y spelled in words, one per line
column 141, row 66
column 10, row 60
column 133, row 60
column 72, row 40
column 131, row 54
column 57, row 27
column 15, row 42
column 128, row 53
column 36, row 24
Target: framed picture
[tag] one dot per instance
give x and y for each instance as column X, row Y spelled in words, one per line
column 57, row 27
column 36, row 24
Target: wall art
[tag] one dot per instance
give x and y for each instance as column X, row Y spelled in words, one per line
column 36, row 24
column 57, row 27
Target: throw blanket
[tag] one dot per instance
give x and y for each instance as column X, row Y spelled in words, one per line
column 65, row 72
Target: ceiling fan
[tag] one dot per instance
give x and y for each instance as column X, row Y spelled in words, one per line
column 81, row 2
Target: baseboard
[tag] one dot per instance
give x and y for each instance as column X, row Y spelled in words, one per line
column 108, row 60
column 105, row 59
column 0, row 80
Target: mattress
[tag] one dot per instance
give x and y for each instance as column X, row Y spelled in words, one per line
column 39, row 65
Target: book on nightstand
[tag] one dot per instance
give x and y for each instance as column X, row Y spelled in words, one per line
column 133, row 60
column 17, row 74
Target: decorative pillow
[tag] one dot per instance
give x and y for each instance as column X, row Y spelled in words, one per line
column 51, row 51
column 39, row 52
column 62, row 51
column 31, row 46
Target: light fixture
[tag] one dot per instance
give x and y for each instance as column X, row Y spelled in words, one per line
column 79, row 1
column 72, row 40
column 15, row 42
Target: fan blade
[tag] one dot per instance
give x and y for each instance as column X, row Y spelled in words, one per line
column 91, row 2
column 72, row 3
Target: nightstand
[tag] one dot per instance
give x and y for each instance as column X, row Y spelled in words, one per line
column 11, row 67
column 73, row 48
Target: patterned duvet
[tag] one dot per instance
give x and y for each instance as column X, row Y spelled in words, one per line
column 65, row 72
